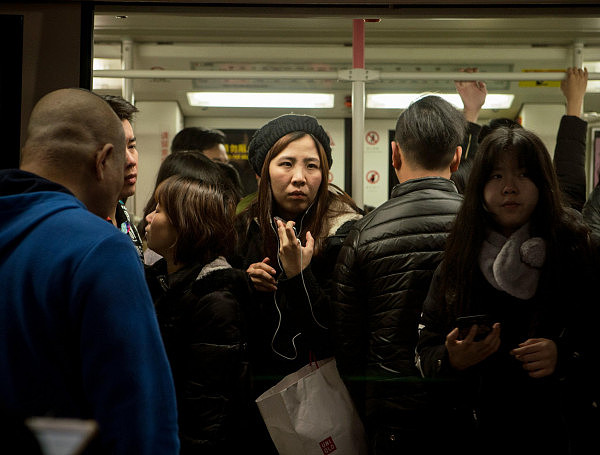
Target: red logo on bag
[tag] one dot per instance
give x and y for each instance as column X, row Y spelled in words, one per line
column 327, row 445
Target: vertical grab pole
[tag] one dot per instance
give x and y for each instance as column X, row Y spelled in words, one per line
column 578, row 61
column 578, row 54
column 358, row 112
column 127, row 64
column 127, row 90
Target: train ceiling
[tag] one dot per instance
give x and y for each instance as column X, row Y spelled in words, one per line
column 203, row 38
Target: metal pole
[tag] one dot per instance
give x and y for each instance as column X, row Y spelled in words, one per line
column 578, row 61
column 358, row 112
column 333, row 75
column 127, row 90
column 190, row 74
column 127, row 59
column 483, row 76
column 578, row 54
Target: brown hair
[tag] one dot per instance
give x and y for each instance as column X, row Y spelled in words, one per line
column 202, row 217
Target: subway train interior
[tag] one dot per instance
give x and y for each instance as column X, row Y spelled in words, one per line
column 166, row 59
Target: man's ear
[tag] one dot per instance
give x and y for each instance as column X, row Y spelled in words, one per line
column 102, row 157
column 396, row 156
column 456, row 160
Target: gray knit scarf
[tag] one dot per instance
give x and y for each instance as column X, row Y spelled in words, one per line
column 513, row 264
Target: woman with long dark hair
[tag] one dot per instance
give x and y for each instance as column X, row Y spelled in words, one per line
column 289, row 240
column 519, row 263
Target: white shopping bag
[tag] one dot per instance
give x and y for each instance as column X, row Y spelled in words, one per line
column 310, row 412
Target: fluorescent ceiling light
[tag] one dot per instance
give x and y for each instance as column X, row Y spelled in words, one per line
column 239, row 99
column 403, row 100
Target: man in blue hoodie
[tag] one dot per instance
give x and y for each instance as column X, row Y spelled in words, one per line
column 78, row 335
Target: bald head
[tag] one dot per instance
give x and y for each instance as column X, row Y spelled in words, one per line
column 74, row 138
column 69, row 122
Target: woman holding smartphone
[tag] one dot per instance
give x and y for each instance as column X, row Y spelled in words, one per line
column 289, row 239
column 517, row 255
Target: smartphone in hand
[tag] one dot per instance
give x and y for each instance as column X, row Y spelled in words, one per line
column 484, row 326
column 276, row 218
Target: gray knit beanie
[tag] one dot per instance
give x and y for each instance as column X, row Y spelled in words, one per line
column 265, row 138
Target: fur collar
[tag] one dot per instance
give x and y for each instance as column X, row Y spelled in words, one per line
column 341, row 213
column 513, row 264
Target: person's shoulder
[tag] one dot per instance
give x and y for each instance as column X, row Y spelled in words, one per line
column 219, row 275
column 65, row 215
column 95, row 228
column 343, row 223
column 413, row 199
column 78, row 232
column 342, row 216
column 384, row 214
column 221, row 291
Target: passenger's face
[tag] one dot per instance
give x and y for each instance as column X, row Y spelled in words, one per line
column 114, row 173
column 160, row 233
column 510, row 195
column 131, row 162
column 217, row 153
column 295, row 177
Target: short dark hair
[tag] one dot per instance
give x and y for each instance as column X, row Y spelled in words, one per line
column 195, row 138
column 429, row 131
column 123, row 108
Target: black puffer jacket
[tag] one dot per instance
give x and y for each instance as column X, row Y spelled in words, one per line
column 199, row 310
column 382, row 277
column 498, row 391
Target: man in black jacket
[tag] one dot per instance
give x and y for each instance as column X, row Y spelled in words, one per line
column 383, row 274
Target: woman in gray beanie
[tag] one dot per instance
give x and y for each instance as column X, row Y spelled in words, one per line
column 289, row 240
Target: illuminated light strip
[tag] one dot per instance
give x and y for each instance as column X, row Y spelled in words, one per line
column 256, row 100
column 403, row 100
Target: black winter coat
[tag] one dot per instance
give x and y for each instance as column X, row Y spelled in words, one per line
column 199, row 310
column 294, row 299
column 382, row 277
column 495, row 401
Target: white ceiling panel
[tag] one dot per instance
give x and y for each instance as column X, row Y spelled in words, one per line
column 284, row 39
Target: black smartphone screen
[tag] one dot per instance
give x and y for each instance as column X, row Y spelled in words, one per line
column 484, row 326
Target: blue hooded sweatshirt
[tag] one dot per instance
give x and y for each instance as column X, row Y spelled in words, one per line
column 78, row 332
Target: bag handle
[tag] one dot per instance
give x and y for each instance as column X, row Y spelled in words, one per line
column 312, row 357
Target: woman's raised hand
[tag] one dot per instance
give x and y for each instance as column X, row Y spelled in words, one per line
column 293, row 256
